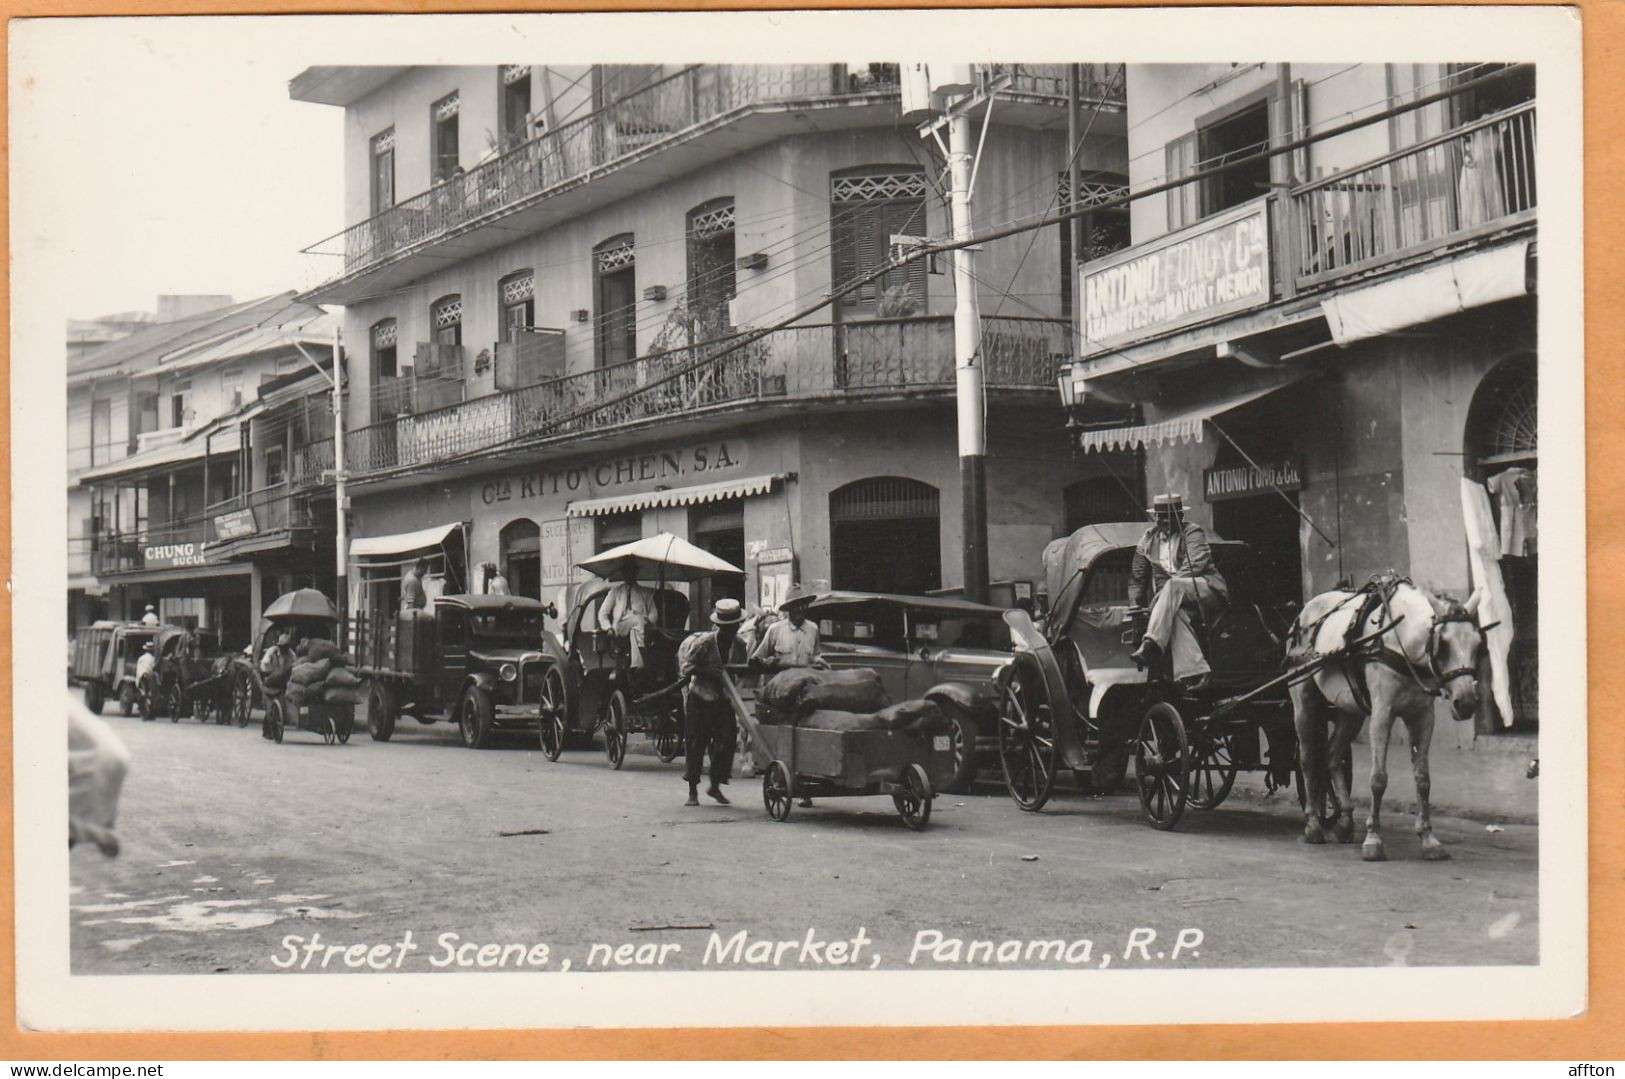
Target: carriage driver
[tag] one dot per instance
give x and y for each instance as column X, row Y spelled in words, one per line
column 627, row 610
column 1173, row 568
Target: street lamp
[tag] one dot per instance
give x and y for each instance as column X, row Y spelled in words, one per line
column 1073, row 391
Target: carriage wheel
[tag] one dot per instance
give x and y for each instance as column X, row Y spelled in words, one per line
column 277, row 719
column 615, row 714
column 913, row 797
column 669, row 736
column 383, row 709
column 1027, row 744
column 176, row 704
column 1162, row 765
column 242, row 701
column 776, row 791
column 551, row 724
column 1213, row 771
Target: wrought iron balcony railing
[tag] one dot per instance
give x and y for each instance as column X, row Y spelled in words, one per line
column 1473, row 179
column 126, row 552
column 826, row 361
column 584, row 148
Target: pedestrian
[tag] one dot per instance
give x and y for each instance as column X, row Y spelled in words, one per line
column 495, row 583
column 1173, row 574
column 413, row 597
column 708, row 719
column 151, row 617
column 792, row 641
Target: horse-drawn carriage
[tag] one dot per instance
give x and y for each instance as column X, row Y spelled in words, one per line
column 194, row 680
column 605, row 689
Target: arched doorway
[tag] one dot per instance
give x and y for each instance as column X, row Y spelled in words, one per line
column 1502, row 452
column 885, row 536
column 521, row 546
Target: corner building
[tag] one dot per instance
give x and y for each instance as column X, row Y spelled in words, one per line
column 538, row 340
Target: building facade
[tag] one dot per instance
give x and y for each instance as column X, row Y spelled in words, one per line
column 549, row 345
column 1325, row 343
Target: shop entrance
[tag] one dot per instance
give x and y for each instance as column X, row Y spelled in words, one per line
column 521, row 561
column 1269, row 524
column 719, row 528
column 885, row 536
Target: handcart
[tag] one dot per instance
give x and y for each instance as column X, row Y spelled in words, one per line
column 304, row 614
column 803, row 762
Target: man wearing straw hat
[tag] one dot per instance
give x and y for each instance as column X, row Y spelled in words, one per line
column 708, row 719
column 1173, row 573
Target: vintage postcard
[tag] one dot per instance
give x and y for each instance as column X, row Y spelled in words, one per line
column 801, row 518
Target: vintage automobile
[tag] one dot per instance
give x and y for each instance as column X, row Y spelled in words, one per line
column 937, row 648
column 489, row 662
column 104, row 658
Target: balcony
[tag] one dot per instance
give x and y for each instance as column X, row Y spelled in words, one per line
column 885, row 358
column 539, row 182
column 126, row 552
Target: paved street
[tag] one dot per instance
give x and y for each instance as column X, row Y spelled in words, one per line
column 233, row 844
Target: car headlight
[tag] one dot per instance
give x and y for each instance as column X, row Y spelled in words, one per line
column 508, row 672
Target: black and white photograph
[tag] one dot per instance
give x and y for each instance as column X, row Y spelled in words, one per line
column 804, row 517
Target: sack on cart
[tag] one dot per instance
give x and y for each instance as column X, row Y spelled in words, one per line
column 795, row 693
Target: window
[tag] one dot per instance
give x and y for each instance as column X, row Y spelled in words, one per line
column 274, row 471
column 1491, row 98
column 231, row 386
column 146, row 412
column 1107, row 229
column 384, row 363
column 615, row 529
column 101, row 431
column 1242, row 134
column 517, row 296
column 1101, row 500
column 885, row 536
column 711, row 284
column 615, row 300
column 443, row 137
column 447, row 316
column 867, row 207
column 390, row 390
column 180, row 404
column 515, row 104
column 383, row 171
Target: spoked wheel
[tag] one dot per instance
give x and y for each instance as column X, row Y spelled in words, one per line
column 551, row 723
column 1162, row 765
column 1027, row 745
column 242, row 701
column 345, row 727
column 776, row 791
column 669, row 737
column 615, row 710
column 276, row 718
column 913, row 797
column 1213, row 771
column 330, row 730
column 176, row 704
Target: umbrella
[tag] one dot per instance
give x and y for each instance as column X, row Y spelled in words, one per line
column 661, row 556
column 301, row 603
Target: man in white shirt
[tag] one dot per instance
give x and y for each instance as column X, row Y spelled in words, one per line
column 790, row 642
column 151, row 617
column 627, row 610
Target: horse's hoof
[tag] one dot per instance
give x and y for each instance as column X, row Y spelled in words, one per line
column 1314, row 835
column 1373, row 852
column 1435, row 853
column 1344, row 833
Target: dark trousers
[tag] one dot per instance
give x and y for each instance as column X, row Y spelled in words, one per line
column 708, row 725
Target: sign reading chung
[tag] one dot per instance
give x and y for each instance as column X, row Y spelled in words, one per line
column 1215, row 267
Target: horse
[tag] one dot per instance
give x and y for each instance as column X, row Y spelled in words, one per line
column 1432, row 649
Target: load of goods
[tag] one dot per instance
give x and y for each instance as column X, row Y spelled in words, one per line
column 321, row 673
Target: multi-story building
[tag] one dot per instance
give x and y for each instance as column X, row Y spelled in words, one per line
column 542, row 339
column 1326, row 341
column 149, row 470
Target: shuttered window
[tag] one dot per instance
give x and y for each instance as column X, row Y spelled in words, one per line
column 867, row 207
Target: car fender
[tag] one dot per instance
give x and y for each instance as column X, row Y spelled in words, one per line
column 978, row 701
column 484, row 680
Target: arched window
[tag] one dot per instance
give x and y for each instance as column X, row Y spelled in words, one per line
column 868, row 206
column 389, row 390
column 885, row 536
column 1501, row 422
column 521, row 562
column 711, row 282
column 615, row 297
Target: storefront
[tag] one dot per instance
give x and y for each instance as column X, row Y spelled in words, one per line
column 188, row 588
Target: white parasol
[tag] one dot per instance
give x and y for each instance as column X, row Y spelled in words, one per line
column 658, row 557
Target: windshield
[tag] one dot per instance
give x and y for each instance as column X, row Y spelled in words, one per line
column 524, row 628
column 933, row 629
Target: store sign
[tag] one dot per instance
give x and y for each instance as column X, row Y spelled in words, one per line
column 1244, row 481
column 1216, row 267
column 699, row 464
column 235, row 525
column 174, row 555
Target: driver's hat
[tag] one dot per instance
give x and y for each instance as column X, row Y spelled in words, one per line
column 1168, row 503
column 147, row 647
column 728, row 612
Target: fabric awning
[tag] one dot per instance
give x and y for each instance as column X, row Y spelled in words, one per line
column 402, row 542
column 677, row 496
column 1182, row 426
column 1472, row 281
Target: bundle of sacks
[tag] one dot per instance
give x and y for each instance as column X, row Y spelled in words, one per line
column 322, row 674
column 849, row 700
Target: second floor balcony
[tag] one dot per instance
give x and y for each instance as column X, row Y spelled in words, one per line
column 825, row 363
column 645, row 138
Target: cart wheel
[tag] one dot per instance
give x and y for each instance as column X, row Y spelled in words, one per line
column 776, row 791
column 474, row 718
column 615, row 710
column 1213, row 771
column 346, row 727
column 1027, row 745
column 669, row 737
column 276, row 717
column 330, row 730
column 1162, row 765
column 126, row 699
column 94, row 699
column 552, row 719
column 382, row 710
column 913, row 797
column 242, row 701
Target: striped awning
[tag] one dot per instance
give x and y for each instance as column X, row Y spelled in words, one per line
column 1184, row 425
column 676, row 496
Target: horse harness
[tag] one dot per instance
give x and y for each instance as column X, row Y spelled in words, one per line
column 1379, row 592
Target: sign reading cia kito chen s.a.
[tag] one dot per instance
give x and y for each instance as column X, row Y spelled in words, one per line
column 1216, row 267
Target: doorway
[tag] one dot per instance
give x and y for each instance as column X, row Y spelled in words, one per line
column 1268, row 524
column 718, row 528
column 521, row 559
column 885, row 535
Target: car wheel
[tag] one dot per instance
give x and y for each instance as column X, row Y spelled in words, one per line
column 382, row 711
column 94, row 699
column 474, row 718
column 964, row 747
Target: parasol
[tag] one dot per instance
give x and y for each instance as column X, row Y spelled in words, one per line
column 301, row 603
column 662, row 556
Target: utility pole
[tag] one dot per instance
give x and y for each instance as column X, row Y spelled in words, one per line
column 971, row 397
column 342, row 500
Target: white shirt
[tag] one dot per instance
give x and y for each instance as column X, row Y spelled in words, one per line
column 623, row 599
column 145, row 665
column 149, row 619
column 787, row 646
